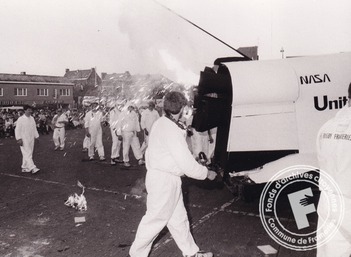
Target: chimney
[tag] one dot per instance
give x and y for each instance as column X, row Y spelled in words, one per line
column 67, row 70
column 23, row 73
column 103, row 75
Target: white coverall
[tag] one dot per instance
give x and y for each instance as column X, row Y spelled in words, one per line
column 334, row 148
column 113, row 121
column 93, row 122
column 127, row 128
column 167, row 159
column 59, row 130
column 26, row 130
column 148, row 118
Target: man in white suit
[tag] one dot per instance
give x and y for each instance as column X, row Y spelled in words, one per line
column 167, row 160
column 59, row 121
column 333, row 148
column 114, row 119
column 93, row 130
column 148, row 117
column 127, row 130
column 26, row 132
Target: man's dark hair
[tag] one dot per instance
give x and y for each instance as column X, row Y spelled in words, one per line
column 151, row 104
column 173, row 102
column 350, row 90
column 25, row 107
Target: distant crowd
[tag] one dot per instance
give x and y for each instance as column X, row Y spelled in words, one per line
column 120, row 122
column 42, row 117
column 130, row 126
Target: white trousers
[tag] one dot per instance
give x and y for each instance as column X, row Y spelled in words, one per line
column 164, row 207
column 144, row 144
column 86, row 142
column 96, row 142
column 59, row 137
column 116, row 145
column 131, row 140
column 27, row 154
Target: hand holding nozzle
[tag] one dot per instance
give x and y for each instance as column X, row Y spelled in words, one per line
column 211, row 175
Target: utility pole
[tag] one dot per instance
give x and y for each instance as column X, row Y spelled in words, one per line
column 282, row 51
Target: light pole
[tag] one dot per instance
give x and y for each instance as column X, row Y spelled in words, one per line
column 282, row 51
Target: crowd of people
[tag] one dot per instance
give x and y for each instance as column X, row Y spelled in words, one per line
column 43, row 120
column 130, row 127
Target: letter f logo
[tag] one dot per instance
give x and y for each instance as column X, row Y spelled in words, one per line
column 302, row 205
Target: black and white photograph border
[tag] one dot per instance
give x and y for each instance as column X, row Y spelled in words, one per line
column 260, row 77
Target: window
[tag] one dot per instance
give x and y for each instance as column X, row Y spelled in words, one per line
column 43, row 92
column 1, row 91
column 65, row 92
column 21, row 91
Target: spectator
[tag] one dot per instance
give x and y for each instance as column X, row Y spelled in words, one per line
column 2, row 127
column 42, row 123
column 9, row 127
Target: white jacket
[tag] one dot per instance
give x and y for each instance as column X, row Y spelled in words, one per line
column 168, row 151
column 148, row 118
column 334, row 149
column 93, row 120
column 129, row 122
column 334, row 156
column 114, row 118
column 26, row 128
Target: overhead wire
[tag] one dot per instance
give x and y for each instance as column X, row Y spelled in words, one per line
column 198, row 27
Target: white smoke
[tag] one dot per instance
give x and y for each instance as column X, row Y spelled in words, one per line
column 165, row 43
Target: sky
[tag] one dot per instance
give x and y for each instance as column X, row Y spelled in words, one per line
column 153, row 37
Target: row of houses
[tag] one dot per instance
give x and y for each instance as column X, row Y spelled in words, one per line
column 71, row 89
column 39, row 91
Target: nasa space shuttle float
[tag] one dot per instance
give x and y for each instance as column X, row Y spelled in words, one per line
column 270, row 110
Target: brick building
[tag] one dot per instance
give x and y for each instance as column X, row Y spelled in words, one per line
column 35, row 90
column 86, row 83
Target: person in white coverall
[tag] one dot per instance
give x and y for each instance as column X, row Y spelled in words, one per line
column 334, row 156
column 59, row 121
column 114, row 118
column 148, row 117
column 25, row 133
column 167, row 160
column 86, row 141
column 93, row 130
column 127, row 130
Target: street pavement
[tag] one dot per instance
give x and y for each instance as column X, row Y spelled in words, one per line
column 35, row 222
